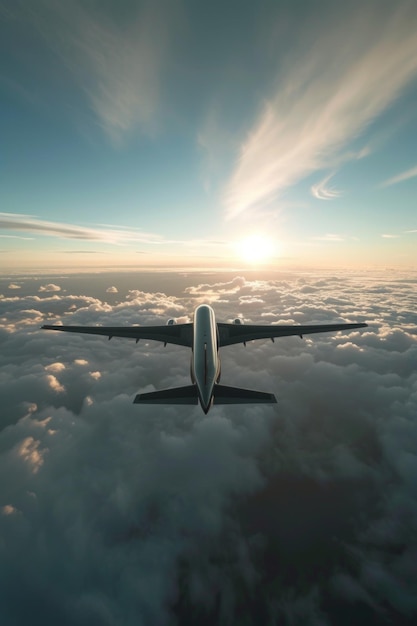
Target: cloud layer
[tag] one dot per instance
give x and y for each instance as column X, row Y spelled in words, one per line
column 300, row 513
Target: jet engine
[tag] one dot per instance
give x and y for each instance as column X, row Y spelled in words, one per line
column 239, row 322
column 171, row 322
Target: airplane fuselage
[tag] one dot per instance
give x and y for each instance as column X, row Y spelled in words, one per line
column 205, row 361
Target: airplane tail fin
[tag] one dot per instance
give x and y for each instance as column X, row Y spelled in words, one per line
column 189, row 395
column 177, row 395
column 236, row 395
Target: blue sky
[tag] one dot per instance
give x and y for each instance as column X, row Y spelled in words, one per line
column 166, row 133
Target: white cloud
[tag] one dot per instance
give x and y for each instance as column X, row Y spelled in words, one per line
column 357, row 64
column 14, row 286
column 107, row 233
column 49, row 287
column 217, row 288
column 322, row 191
column 117, row 60
column 390, row 236
column 54, row 383
column 332, row 237
column 16, row 237
column 112, row 290
column 115, row 235
column 29, row 451
column 55, row 367
column 411, row 173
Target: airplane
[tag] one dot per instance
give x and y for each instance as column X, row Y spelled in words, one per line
column 204, row 336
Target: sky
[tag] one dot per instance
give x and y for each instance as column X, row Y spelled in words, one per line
column 298, row 513
column 195, row 134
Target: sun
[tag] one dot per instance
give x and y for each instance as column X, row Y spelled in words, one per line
column 256, row 249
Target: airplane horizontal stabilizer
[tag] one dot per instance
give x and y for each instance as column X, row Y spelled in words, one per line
column 235, row 395
column 177, row 395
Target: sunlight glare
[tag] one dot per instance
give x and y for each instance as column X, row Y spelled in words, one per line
column 256, row 249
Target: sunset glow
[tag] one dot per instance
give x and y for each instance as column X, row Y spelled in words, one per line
column 256, row 249
column 129, row 140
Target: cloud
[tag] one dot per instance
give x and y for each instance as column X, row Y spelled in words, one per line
column 388, row 236
column 212, row 515
column 49, row 287
column 332, row 237
column 80, row 252
column 54, row 383
column 14, row 286
column 8, row 509
column 116, row 59
column 55, row 367
column 411, row 173
column 218, row 288
column 16, row 237
column 321, row 191
column 117, row 235
column 112, row 290
column 319, row 106
column 29, row 451
column 30, row 223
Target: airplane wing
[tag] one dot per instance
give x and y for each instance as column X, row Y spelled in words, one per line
column 179, row 334
column 239, row 333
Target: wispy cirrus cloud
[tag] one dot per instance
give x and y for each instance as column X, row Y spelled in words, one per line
column 322, row 190
column 358, row 63
column 331, row 237
column 32, row 224
column 15, row 237
column 104, row 233
column 399, row 178
column 117, row 61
